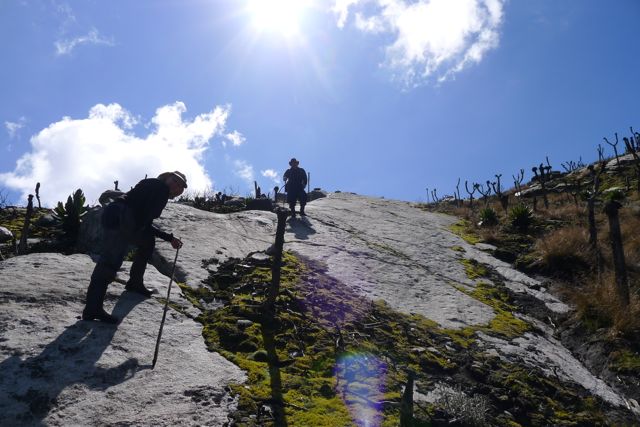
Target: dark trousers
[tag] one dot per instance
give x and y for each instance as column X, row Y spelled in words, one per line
column 119, row 233
column 297, row 195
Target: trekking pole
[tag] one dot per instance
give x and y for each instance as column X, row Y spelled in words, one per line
column 164, row 314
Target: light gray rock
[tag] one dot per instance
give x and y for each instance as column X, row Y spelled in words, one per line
column 208, row 235
column 381, row 249
column 60, row 371
column 5, row 235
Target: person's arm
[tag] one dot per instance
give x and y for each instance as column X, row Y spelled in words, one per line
column 304, row 178
column 167, row 237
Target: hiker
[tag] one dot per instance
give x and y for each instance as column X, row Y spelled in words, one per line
column 129, row 221
column 295, row 180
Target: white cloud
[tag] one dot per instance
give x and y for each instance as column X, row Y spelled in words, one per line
column 341, row 8
column 432, row 39
column 271, row 174
column 236, row 138
column 65, row 47
column 113, row 113
column 14, row 127
column 244, row 170
column 93, row 152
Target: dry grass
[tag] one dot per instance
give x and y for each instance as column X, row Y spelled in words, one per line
column 598, row 307
column 565, row 252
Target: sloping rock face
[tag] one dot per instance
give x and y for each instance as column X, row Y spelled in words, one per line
column 65, row 372
column 57, row 370
column 389, row 250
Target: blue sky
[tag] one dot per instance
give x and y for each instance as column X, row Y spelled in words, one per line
column 378, row 97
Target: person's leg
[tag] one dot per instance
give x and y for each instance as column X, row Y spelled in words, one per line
column 145, row 242
column 303, row 202
column 113, row 252
column 291, row 199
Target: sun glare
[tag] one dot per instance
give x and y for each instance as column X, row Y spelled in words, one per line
column 278, row 16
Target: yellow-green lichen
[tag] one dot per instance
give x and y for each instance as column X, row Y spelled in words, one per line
column 463, row 229
column 625, row 361
column 474, row 269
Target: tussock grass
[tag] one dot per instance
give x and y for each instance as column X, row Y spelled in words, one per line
column 565, row 252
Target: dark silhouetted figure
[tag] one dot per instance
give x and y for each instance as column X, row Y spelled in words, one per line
column 129, row 221
column 295, row 179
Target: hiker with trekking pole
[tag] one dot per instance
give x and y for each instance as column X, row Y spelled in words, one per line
column 129, row 221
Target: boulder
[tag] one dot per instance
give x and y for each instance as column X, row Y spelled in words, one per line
column 47, row 220
column 316, row 194
column 5, row 235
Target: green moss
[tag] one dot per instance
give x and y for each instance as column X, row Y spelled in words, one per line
column 329, row 354
column 625, row 361
column 13, row 220
column 457, row 249
column 464, row 229
column 474, row 269
column 504, row 323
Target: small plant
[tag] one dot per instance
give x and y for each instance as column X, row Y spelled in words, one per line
column 70, row 215
column 521, row 217
column 488, row 217
column 472, row 411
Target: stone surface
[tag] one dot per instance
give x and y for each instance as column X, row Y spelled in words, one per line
column 61, row 371
column 5, row 235
column 382, row 249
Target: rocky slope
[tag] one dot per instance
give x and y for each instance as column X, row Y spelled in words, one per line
column 57, row 370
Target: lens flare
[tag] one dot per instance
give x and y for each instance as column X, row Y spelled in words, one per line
column 361, row 379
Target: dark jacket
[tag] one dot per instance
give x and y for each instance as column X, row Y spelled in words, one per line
column 145, row 201
column 296, row 180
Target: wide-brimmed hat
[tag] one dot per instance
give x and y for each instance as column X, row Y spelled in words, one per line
column 293, row 161
column 179, row 175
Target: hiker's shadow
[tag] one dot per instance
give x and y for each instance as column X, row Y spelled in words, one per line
column 31, row 387
column 301, row 228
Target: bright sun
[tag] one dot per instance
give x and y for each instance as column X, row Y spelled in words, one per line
column 279, row 16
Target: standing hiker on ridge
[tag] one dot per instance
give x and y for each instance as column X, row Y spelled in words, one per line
column 295, row 180
column 129, row 220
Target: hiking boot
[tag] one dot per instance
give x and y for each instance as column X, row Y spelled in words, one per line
column 139, row 288
column 100, row 315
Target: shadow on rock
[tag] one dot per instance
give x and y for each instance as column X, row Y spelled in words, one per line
column 30, row 388
column 301, row 228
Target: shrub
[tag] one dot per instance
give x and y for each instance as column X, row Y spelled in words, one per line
column 70, row 215
column 488, row 216
column 520, row 217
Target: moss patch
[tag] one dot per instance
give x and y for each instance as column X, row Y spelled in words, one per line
column 474, row 269
column 464, row 229
column 625, row 361
column 333, row 358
